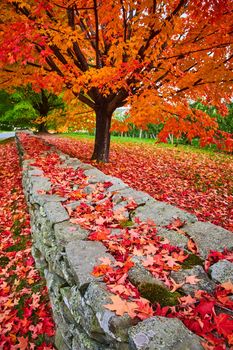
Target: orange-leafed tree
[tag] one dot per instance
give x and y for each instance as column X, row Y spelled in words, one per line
column 156, row 55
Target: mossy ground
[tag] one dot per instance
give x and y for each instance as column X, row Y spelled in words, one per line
column 158, row 294
column 191, row 261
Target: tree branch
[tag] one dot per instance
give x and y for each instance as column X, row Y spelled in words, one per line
column 58, row 54
column 124, row 21
column 117, row 100
column 98, row 63
column 86, row 100
column 53, row 65
column 154, row 6
column 154, row 33
column 200, row 82
column 83, row 65
column 181, row 55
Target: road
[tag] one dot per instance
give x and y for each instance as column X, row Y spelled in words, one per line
column 6, row 135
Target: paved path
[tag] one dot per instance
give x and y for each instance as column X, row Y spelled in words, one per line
column 6, row 135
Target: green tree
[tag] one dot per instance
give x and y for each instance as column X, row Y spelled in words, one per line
column 27, row 106
column 225, row 122
column 6, row 104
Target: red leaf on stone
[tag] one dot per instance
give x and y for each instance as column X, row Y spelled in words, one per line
column 192, row 246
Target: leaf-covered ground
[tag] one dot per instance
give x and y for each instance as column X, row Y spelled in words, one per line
column 25, row 317
column 208, row 315
column 25, row 320
column 201, row 183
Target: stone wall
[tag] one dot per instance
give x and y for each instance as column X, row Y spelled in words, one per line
column 66, row 258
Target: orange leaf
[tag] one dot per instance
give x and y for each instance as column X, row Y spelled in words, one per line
column 192, row 246
column 228, row 286
column 121, row 306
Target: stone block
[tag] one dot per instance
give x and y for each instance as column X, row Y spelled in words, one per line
column 89, row 189
column 176, row 239
column 73, row 163
column 54, row 282
column 151, row 288
column 160, row 333
column 138, row 196
column 61, row 320
column 81, row 341
column 105, row 326
column 85, row 166
column 73, row 205
column 55, row 212
column 94, row 175
column 222, row 271
column 66, row 232
column 60, row 342
column 26, row 164
column 45, row 198
column 204, row 282
column 40, row 261
column 35, row 172
column 162, row 213
column 120, row 210
column 39, row 184
column 117, row 184
column 138, row 275
column 208, row 237
column 72, row 299
column 82, row 257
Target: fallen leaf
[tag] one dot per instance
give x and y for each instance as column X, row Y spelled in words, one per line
column 228, row 286
column 192, row 279
column 120, row 306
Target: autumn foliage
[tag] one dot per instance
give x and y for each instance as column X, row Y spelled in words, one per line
column 153, row 55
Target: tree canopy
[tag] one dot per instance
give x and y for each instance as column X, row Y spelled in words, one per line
column 26, row 108
column 153, row 55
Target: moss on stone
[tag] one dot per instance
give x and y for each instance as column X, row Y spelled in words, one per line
column 158, row 294
column 126, row 223
column 191, row 261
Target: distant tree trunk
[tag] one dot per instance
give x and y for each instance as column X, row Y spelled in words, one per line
column 102, row 135
column 43, row 109
column 42, row 127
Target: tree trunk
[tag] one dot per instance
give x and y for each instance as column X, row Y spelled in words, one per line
column 102, row 135
column 42, row 128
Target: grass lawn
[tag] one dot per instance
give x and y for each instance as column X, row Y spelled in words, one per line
column 146, row 141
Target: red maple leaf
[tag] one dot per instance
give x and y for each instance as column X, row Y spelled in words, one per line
column 224, row 325
column 175, row 224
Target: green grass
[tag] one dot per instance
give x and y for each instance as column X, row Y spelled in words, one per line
column 118, row 139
